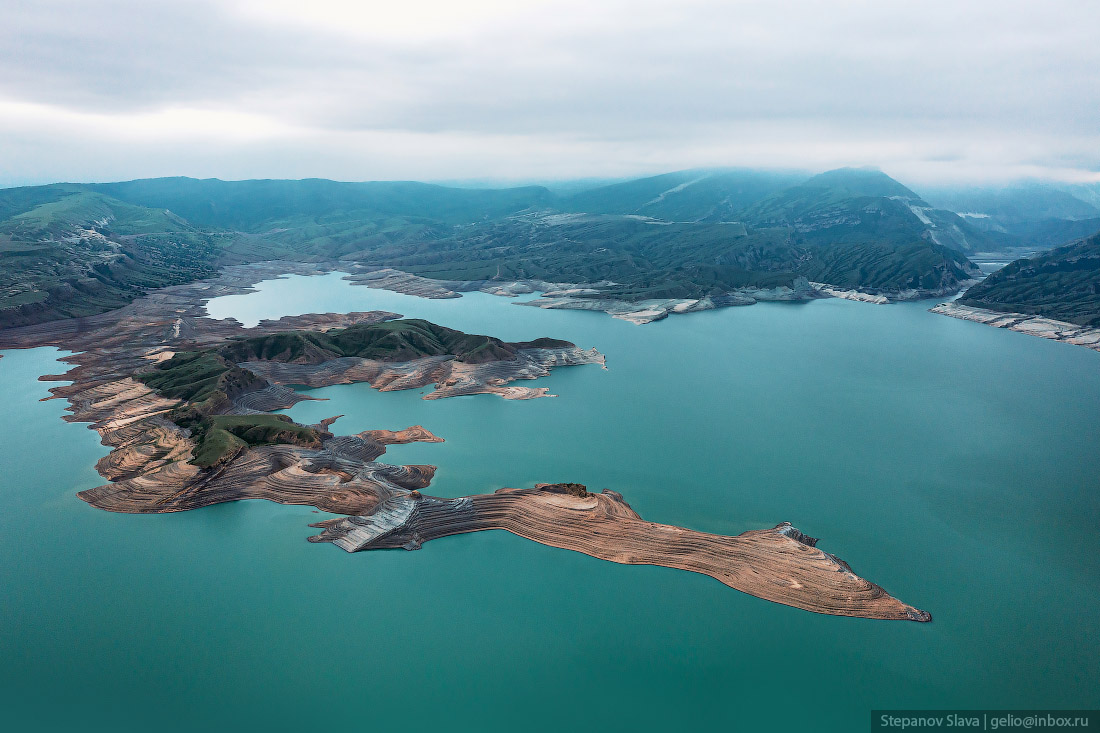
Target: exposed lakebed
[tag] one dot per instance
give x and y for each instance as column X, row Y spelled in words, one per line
column 954, row 464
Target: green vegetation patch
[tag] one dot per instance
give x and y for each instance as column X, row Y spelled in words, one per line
column 192, row 376
column 221, row 438
column 215, row 448
column 266, row 429
column 207, row 383
column 399, row 340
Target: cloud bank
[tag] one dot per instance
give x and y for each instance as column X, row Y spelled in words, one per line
column 928, row 91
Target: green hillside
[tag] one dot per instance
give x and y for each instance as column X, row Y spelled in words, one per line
column 856, row 205
column 257, row 206
column 67, row 251
column 684, row 196
column 206, row 384
column 1063, row 283
column 398, row 340
column 1032, row 216
column 77, row 249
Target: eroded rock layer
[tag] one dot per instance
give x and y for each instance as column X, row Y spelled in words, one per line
column 451, row 378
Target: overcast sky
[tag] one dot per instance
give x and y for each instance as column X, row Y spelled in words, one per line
column 929, row 91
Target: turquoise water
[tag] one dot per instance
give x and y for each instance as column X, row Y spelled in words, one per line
column 953, row 463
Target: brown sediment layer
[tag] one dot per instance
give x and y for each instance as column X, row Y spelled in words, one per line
column 452, row 378
column 401, row 282
column 330, row 479
column 778, row 564
column 415, row 434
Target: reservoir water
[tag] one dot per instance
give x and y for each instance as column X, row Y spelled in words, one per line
column 955, row 464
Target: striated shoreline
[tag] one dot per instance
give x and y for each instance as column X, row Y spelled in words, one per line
column 648, row 311
column 149, row 468
column 585, row 296
column 1047, row 328
column 889, row 296
column 450, row 377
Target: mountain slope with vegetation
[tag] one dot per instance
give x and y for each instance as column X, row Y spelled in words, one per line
column 77, row 249
column 68, row 251
column 684, row 196
column 1063, row 284
column 1028, row 217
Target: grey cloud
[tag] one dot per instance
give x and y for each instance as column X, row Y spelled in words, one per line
column 942, row 78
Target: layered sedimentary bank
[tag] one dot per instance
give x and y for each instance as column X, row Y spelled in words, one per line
column 592, row 297
column 881, row 297
column 451, row 378
column 779, row 564
column 646, row 311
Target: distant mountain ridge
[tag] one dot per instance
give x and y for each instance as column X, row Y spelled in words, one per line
column 683, row 196
column 76, row 249
column 1030, row 216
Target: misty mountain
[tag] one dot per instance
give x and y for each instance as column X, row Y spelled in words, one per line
column 683, row 196
column 1032, row 216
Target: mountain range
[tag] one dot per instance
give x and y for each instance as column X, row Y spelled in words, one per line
column 77, row 249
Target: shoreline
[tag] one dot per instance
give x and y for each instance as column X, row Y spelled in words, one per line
column 780, row 564
column 1048, row 328
column 584, row 296
column 241, row 279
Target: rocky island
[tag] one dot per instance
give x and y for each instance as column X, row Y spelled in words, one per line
column 185, row 402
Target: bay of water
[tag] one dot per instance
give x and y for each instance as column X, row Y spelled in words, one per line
column 956, row 465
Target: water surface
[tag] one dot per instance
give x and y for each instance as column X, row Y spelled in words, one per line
column 953, row 463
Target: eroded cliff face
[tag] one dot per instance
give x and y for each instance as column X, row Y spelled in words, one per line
column 151, row 470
